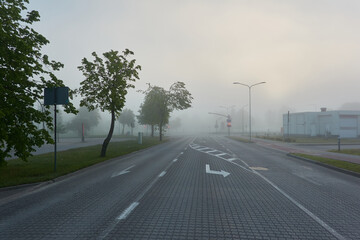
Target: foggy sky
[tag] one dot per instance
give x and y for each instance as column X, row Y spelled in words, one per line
column 307, row 51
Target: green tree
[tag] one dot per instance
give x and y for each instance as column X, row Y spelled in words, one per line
column 149, row 112
column 106, row 83
column 84, row 119
column 162, row 102
column 175, row 123
column 24, row 73
column 126, row 118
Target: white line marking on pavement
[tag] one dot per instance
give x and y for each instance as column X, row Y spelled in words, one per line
column 212, row 151
column 259, row 168
column 127, row 211
column 181, row 153
column 162, row 174
column 202, row 149
column 175, row 160
column 122, row 172
column 308, row 212
column 222, row 172
column 232, row 159
column 221, row 154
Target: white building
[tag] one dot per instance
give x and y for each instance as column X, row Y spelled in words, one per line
column 345, row 124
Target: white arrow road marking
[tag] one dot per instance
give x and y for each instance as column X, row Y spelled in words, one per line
column 122, row 172
column 222, row 172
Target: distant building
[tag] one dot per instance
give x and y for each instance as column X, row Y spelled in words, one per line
column 345, row 124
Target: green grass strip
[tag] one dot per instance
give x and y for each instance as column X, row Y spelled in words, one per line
column 333, row 162
column 347, row 151
column 40, row 168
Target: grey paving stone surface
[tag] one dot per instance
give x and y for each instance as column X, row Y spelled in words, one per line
column 190, row 204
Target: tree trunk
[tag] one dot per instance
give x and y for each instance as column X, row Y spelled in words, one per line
column 152, row 130
column 160, row 129
column 123, row 129
column 108, row 138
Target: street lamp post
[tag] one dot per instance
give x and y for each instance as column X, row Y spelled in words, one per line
column 249, row 86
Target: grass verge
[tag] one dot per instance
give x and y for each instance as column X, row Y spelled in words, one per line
column 332, row 162
column 40, row 168
column 312, row 140
column 347, row 151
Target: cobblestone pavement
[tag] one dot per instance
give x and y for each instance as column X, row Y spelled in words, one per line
column 212, row 188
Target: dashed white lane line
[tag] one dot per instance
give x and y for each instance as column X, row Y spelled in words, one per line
column 131, row 208
column 128, row 210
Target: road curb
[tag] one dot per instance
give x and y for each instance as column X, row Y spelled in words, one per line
column 355, row 174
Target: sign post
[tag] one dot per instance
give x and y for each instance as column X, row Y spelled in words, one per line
column 56, row 96
column 228, row 120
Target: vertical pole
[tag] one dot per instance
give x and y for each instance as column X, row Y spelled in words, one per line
column 55, row 136
column 83, row 133
column 339, row 144
column 242, row 120
column 250, row 112
column 140, row 138
column 288, row 125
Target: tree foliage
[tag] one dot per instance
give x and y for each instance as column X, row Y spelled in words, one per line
column 126, row 118
column 159, row 103
column 24, row 73
column 149, row 113
column 175, row 123
column 86, row 118
column 106, row 83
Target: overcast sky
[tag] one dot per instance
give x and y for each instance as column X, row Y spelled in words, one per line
column 307, row 52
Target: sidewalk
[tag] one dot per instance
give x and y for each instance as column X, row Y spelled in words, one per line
column 310, row 149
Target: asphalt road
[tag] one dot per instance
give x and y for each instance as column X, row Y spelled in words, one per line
column 191, row 188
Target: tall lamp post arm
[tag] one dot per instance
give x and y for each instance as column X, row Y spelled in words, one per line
column 242, row 84
column 256, row 84
column 249, row 86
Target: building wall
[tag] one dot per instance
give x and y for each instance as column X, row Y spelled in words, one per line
column 345, row 124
